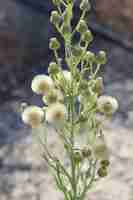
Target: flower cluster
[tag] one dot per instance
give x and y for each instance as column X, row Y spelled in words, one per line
column 72, row 99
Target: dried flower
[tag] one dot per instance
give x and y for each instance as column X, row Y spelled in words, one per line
column 42, row 84
column 102, row 172
column 33, row 116
column 56, row 113
column 105, row 163
column 107, row 105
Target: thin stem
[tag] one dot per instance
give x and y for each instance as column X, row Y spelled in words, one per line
column 97, row 70
column 87, row 186
column 82, row 17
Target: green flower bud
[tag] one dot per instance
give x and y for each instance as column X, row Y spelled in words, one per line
column 55, row 18
column 90, row 57
column 77, row 156
column 82, row 27
column 86, row 152
column 102, row 172
column 53, row 68
column 87, row 36
column 85, row 5
column 77, row 51
column 54, row 44
column 102, row 58
column 56, row 2
column 105, row 163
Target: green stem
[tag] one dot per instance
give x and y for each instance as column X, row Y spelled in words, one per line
column 82, row 17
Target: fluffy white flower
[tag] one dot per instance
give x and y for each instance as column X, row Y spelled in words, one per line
column 42, row 84
column 33, row 116
column 107, row 104
column 53, row 96
column 56, row 113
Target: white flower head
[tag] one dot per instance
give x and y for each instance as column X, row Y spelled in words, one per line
column 53, row 96
column 33, row 116
column 56, row 113
column 42, row 84
column 107, row 104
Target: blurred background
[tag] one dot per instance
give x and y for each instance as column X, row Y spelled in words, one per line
column 24, row 34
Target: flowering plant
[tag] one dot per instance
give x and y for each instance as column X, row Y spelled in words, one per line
column 72, row 102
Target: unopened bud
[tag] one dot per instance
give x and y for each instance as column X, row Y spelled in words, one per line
column 55, row 18
column 105, row 163
column 90, row 57
column 56, row 2
column 102, row 172
column 77, row 156
column 53, row 68
column 87, row 36
column 77, row 51
column 54, row 44
column 82, row 27
column 85, row 5
column 102, row 58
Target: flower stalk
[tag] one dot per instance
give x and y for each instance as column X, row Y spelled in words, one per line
column 72, row 101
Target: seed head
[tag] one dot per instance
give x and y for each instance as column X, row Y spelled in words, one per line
column 42, row 84
column 33, row 116
column 56, row 113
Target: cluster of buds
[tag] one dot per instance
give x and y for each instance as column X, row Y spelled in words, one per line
column 71, row 100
